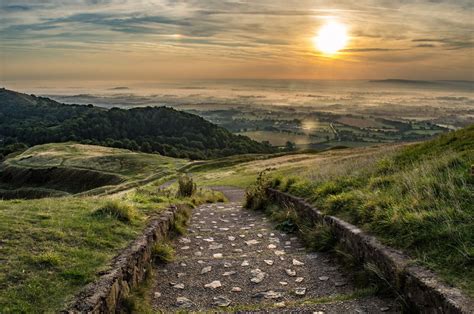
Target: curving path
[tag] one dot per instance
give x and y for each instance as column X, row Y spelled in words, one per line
column 233, row 259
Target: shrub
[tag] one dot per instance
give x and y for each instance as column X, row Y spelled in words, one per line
column 186, row 186
column 118, row 210
column 318, row 237
column 180, row 222
column 163, row 252
column 255, row 195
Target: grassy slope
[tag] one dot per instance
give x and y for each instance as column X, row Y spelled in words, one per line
column 51, row 247
column 419, row 199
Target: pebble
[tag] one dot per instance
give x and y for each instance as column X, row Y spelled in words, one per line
column 179, row 275
column 198, row 253
column 300, row 291
column 213, row 285
column 324, row 278
column 272, row 246
column 258, row 275
column 283, row 283
column 385, row 309
column 245, row 263
column 278, row 253
column 157, row 295
column 268, row 295
column 183, row 264
column 279, row 305
column 185, row 247
column 221, row 301
column 297, row 263
column 299, row 279
column 227, row 265
column 231, row 238
column 178, row 286
column 217, row 255
column 251, row 242
column 268, row 262
column 206, row 269
column 259, row 235
column 183, row 302
column 229, row 273
column 340, row 283
column 290, row 272
column 215, row 246
column 236, row 289
column 184, row 240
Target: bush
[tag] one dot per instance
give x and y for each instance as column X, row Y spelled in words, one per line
column 163, row 252
column 118, row 210
column 256, row 195
column 186, row 186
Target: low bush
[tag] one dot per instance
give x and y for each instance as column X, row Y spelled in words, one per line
column 118, row 210
column 186, row 186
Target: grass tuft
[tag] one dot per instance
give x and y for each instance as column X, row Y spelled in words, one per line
column 116, row 209
column 163, row 252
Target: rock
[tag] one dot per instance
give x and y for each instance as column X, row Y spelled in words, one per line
column 229, row 273
column 245, row 263
column 272, row 246
column 299, row 279
column 242, row 235
column 318, row 312
column 324, row 278
column 272, row 234
column 259, row 235
column 283, row 283
column 201, row 262
column 236, row 289
column 231, row 238
column 385, row 309
column 206, row 269
column 278, row 253
column 258, row 276
column 268, row 262
column 251, row 242
column 217, row 255
column 270, row 294
column 279, row 305
column 221, row 301
column 183, row 264
column 237, row 250
column 179, row 275
column 157, row 295
column 227, row 265
column 178, row 286
column 184, row 248
column 184, row 240
column 224, row 229
column 209, row 239
column 290, row 272
column 215, row 246
column 297, row 263
column 183, row 302
column 213, row 285
column 198, row 253
column 300, row 291
column 340, row 283
column 287, row 242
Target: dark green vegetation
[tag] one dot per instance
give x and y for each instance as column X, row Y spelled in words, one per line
column 186, row 186
column 419, row 198
column 29, row 120
column 50, row 248
column 67, row 168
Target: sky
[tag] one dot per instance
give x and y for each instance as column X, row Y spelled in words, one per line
column 149, row 40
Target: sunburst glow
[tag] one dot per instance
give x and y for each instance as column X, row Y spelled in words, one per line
column 331, row 38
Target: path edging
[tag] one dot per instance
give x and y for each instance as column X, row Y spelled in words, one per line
column 419, row 286
column 127, row 270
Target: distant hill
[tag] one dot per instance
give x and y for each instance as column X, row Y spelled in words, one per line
column 28, row 120
column 401, row 81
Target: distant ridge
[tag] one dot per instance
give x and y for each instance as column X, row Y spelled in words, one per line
column 402, row 81
column 28, row 120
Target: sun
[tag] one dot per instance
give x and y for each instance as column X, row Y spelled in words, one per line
column 331, row 38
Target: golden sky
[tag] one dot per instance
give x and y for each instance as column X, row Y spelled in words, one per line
column 211, row 39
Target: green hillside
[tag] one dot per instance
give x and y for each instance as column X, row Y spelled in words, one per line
column 418, row 198
column 27, row 120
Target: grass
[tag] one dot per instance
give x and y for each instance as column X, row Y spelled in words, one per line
column 419, row 198
column 163, row 252
column 50, row 248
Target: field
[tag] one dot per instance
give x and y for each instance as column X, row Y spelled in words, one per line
column 51, row 247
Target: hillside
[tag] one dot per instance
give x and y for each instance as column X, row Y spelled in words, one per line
column 418, row 198
column 27, row 120
column 63, row 168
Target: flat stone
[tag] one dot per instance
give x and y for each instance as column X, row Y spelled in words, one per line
column 324, row 278
column 229, row 273
column 258, row 275
column 251, row 242
column 183, row 302
column 209, row 239
column 217, row 255
column 157, row 295
column 300, row 291
column 185, row 240
column 185, row 247
column 299, row 279
column 221, row 301
column 279, row 305
column 385, row 309
column 236, row 289
column 183, row 264
column 268, row 262
column 270, row 294
column 272, row 246
column 340, row 283
column 259, row 235
column 215, row 246
column 245, row 263
column 231, row 238
column 242, row 235
column 283, row 283
column 237, row 250
column 206, row 269
column 227, row 265
column 290, row 272
column 278, row 253
column 213, row 285
column 178, row 286
column 179, row 275
column 224, row 229
column 297, row 262
column 198, row 253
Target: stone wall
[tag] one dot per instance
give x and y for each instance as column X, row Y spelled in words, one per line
column 419, row 287
column 127, row 269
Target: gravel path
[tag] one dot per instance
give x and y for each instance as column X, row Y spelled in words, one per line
column 233, row 259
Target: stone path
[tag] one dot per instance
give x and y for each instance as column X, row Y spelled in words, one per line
column 233, row 259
